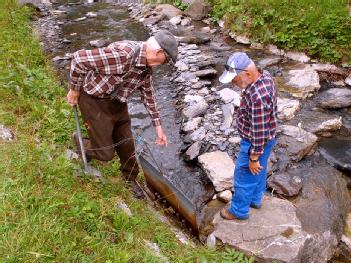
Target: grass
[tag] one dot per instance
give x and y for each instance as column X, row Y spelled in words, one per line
column 47, row 213
column 321, row 28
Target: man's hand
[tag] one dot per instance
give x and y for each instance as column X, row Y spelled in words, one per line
column 161, row 137
column 72, row 97
column 255, row 167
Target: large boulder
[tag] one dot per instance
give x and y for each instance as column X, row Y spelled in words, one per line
column 219, row 168
column 285, row 183
column 300, row 83
column 335, row 98
column 272, row 232
column 168, row 10
column 321, row 207
column 295, row 142
column 197, row 10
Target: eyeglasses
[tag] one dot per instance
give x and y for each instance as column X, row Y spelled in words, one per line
column 230, row 69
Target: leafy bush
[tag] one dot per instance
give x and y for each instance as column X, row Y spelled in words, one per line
column 320, row 28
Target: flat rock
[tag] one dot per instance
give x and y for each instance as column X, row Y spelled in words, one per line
column 335, row 98
column 295, row 142
column 80, row 19
column 241, row 39
column 328, row 126
column 193, row 151
column 287, row 108
column 298, row 56
column 195, row 110
column 198, row 135
column 300, row 83
column 285, row 184
column 197, row 10
column 272, row 232
column 168, row 10
column 270, row 61
column 228, row 95
column 192, row 124
column 5, row 133
column 195, row 38
column 176, row 20
column 219, row 168
column 206, row 73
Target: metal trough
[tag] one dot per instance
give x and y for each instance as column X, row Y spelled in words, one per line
column 166, row 189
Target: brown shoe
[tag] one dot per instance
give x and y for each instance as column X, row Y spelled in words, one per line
column 86, row 143
column 225, row 214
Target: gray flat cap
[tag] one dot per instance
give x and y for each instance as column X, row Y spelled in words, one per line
column 168, row 43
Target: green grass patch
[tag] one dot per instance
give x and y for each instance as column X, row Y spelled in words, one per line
column 47, row 212
column 321, row 28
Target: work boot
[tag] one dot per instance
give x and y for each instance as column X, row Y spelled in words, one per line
column 225, row 214
column 136, row 190
column 86, row 143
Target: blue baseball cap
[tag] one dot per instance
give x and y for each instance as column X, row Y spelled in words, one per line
column 236, row 63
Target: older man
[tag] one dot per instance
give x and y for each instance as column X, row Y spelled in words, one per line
column 256, row 123
column 102, row 79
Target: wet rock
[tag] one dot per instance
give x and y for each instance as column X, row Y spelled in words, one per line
column 219, row 168
column 295, row 142
column 337, row 152
column 285, row 184
column 91, row 14
column 98, row 43
column 301, row 83
column 275, row 50
column 154, row 19
column 287, row 108
column 176, row 20
column 206, row 73
column 198, row 134
column 272, row 232
column 298, row 56
column 5, row 133
column 192, row 124
column 80, row 19
column 335, row 98
column 186, row 21
column 198, row 10
column 228, row 95
column 195, row 110
column 168, row 10
column 328, row 126
column 124, row 207
column 321, row 207
column 266, row 62
column 225, row 196
column 140, row 123
column 193, row 151
column 228, row 114
column 211, row 241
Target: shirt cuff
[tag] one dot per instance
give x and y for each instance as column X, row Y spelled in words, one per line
column 256, row 150
column 156, row 122
column 74, row 87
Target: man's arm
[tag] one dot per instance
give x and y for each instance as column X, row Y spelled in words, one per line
column 148, row 98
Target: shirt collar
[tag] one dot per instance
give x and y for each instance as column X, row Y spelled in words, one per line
column 141, row 59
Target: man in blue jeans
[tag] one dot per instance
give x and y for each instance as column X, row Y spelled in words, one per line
column 256, row 123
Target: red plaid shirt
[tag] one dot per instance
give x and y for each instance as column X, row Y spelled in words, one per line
column 257, row 115
column 115, row 71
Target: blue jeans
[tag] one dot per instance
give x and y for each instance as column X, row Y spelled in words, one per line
column 249, row 188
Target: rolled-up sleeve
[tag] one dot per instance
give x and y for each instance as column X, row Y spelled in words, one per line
column 148, row 98
column 260, row 121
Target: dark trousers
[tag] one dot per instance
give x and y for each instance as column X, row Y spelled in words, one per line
column 108, row 122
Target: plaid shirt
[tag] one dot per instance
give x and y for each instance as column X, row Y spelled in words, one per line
column 257, row 114
column 115, row 72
